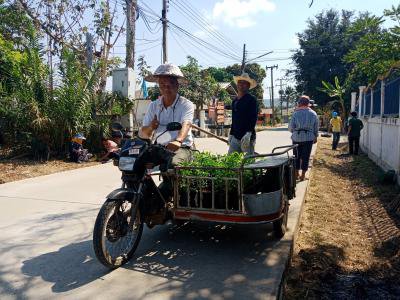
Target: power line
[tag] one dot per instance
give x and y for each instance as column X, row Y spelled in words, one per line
column 200, row 15
column 155, row 29
column 195, row 48
column 149, row 10
column 194, row 38
column 192, row 16
column 198, row 40
column 204, row 43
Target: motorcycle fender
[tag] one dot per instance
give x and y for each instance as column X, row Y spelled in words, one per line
column 121, row 194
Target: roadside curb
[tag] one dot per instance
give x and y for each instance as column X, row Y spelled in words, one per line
column 297, row 228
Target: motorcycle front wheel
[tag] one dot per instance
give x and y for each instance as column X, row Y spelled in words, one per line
column 117, row 233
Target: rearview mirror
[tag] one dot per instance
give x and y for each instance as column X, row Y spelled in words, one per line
column 174, row 126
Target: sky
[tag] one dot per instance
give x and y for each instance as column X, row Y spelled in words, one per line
column 263, row 25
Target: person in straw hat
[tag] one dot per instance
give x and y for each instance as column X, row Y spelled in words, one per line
column 242, row 137
column 170, row 107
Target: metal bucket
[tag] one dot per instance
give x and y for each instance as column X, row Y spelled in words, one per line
column 263, row 203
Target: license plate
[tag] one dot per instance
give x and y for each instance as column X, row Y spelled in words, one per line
column 134, row 151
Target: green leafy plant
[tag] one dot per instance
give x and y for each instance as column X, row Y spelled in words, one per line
column 336, row 91
column 209, row 165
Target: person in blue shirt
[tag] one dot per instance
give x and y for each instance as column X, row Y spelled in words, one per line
column 76, row 151
column 304, row 127
column 242, row 136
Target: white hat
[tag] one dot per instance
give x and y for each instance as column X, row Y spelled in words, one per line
column 247, row 78
column 166, row 70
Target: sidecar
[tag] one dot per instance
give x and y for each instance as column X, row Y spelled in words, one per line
column 257, row 192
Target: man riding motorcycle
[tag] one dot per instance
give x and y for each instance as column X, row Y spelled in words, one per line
column 170, row 107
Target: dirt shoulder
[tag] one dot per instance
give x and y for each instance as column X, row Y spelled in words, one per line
column 12, row 170
column 348, row 245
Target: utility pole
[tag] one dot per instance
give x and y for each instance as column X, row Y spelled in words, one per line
column 165, row 26
column 272, row 91
column 281, row 96
column 130, row 32
column 244, row 58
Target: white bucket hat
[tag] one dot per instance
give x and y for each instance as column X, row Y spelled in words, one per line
column 166, row 70
column 247, row 78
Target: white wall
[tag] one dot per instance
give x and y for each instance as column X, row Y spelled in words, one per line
column 380, row 138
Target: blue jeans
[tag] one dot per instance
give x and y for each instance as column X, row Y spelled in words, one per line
column 302, row 154
column 335, row 140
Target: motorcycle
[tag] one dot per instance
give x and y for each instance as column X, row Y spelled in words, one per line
column 195, row 198
column 119, row 223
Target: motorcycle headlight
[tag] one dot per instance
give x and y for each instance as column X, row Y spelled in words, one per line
column 126, row 163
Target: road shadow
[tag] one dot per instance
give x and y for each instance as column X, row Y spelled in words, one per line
column 199, row 261
column 316, row 273
column 209, row 261
column 71, row 266
column 68, row 268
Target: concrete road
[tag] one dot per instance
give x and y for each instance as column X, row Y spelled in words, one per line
column 46, row 244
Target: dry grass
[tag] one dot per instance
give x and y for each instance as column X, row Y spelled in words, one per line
column 349, row 241
column 12, row 170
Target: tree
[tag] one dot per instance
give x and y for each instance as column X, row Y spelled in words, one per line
column 32, row 116
column 219, row 74
column 290, row 96
column 143, row 67
column 256, row 72
column 64, row 22
column 323, row 46
column 200, row 88
column 376, row 50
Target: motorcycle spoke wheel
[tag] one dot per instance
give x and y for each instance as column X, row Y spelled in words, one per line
column 116, row 236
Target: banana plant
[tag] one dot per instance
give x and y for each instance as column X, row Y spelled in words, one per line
column 336, row 91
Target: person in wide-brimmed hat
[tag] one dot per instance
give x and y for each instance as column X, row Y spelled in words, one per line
column 170, row 107
column 242, row 137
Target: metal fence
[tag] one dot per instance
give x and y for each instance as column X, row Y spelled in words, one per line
column 367, row 104
column 392, row 97
column 376, row 105
column 391, row 101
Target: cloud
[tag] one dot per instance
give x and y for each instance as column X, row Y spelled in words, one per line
column 241, row 13
column 202, row 34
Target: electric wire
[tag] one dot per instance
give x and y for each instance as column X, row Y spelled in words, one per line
column 205, row 27
column 150, row 14
column 200, row 15
column 205, row 44
column 195, row 48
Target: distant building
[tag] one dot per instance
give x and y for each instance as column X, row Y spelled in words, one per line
column 227, row 86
